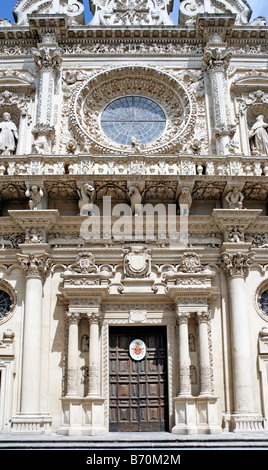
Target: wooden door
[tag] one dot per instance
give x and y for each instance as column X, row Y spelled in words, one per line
column 138, row 389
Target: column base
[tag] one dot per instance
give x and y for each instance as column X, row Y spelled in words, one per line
column 246, row 422
column 82, row 416
column 196, row 415
column 31, row 423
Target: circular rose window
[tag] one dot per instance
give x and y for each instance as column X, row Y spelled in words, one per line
column 5, row 304
column 133, row 118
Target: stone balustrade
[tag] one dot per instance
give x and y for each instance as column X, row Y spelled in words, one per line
column 201, row 165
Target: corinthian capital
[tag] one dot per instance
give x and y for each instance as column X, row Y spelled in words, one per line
column 236, row 264
column 216, row 59
column 35, row 265
column 48, row 56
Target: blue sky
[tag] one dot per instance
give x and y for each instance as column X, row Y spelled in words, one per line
column 259, row 7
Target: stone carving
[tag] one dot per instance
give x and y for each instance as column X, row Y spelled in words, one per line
column 131, row 12
column 189, row 9
column 84, row 343
column 135, row 196
column 137, row 262
column 192, row 346
column 92, row 95
column 216, row 58
column 87, row 195
column 186, row 200
column 35, row 194
column 235, row 199
column 48, row 56
column 8, row 135
column 35, row 265
column 258, row 136
column 85, row 264
column 74, row 9
column 34, row 235
column 235, row 234
column 236, row 264
column 190, row 263
column 193, row 375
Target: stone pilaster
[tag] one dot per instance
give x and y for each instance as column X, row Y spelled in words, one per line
column 94, row 355
column 216, row 62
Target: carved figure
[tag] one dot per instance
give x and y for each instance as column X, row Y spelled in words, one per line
column 35, row 194
column 135, row 200
column 8, row 135
column 258, row 136
column 235, row 199
column 87, row 196
column 85, row 343
column 185, row 199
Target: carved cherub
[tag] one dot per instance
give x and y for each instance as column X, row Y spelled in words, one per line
column 135, row 196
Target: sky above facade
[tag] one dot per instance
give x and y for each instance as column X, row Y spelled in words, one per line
column 259, row 8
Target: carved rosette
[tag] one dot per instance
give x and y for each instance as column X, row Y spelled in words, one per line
column 35, row 265
column 236, row 264
column 94, row 94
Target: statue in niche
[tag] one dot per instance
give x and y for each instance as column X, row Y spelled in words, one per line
column 35, row 194
column 8, row 135
column 258, row 136
column 86, row 194
column 85, row 343
column 191, row 343
column 235, row 199
column 193, row 377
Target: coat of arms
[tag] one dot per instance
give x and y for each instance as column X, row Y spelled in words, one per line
column 137, row 349
column 137, row 262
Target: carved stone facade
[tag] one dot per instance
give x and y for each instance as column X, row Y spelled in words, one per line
column 152, row 219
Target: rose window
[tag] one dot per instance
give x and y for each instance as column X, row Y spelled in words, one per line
column 264, row 302
column 5, row 303
column 133, row 118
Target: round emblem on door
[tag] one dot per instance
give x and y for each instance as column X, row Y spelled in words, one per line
column 137, row 349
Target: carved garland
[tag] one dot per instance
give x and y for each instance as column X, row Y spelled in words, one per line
column 93, row 95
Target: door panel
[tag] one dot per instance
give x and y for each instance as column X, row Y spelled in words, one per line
column 138, row 389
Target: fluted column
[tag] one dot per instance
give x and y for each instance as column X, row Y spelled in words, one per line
column 205, row 374
column 35, row 266
column 94, row 356
column 184, row 356
column 72, row 370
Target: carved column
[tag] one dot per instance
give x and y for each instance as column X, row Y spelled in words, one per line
column 216, row 62
column 236, row 267
column 205, row 379
column 48, row 58
column 94, row 356
column 72, row 371
column 184, row 357
column 30, row 417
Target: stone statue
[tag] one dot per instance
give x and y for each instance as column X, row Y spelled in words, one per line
column 135, row 200
column 86, row 194
column 235, row 199
column 8, row 135
column 35, row 194
column 258, row 135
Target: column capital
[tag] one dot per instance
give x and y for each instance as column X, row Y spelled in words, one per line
column 236, row 264
column 94, row 316
column 183, row 316
column 35, row 265
column 73, row 317
column 216, row 59
column 203, row 316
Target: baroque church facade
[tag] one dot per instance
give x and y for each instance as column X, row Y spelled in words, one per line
column 134, row 228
